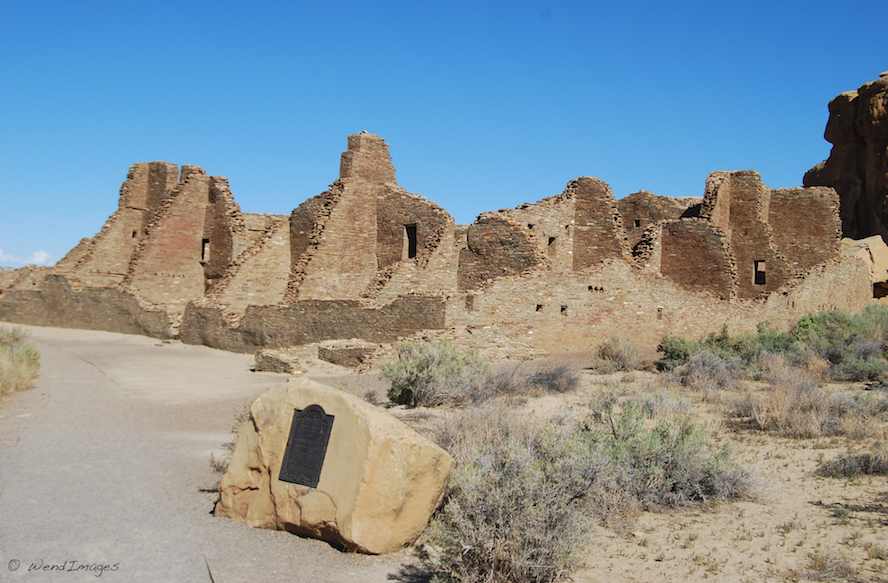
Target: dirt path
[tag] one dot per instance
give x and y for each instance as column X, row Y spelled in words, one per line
column 104, row 462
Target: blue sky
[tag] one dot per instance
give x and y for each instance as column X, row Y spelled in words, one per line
column 484, row 105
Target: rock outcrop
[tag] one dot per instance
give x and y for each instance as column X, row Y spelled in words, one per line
column 857, row 166
column 379, row 482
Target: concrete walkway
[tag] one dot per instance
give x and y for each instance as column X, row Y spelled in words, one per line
column 103, row 462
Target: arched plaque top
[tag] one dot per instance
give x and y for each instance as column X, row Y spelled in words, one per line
column 306, row 446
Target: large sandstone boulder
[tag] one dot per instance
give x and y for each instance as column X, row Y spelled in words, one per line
column 379, row 482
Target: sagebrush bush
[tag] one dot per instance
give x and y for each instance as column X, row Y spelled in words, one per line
column 525, row 493
column 709, row 371
column 616, row 354
column 555, row 379
column 514, row 510
column 854, row 345
column 19, row 361
column 434, row 373
column 801, row 409
column 669, row 464
column 853, row 465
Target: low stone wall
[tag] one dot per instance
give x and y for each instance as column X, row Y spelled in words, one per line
column 577, row 312
column 55, row 303
column 310, row 321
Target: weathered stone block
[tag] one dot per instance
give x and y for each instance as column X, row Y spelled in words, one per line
column 379, row 483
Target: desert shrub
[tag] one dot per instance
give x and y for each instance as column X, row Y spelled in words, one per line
column 525, row 493
column 802, row 409
column 709, row 371
column 675, row 352
column 671, row 463
column 852, row 465
column 829, row 566
column 19, row 361
column 432, row 373
column 524, row 379
column 616, row 354
column 514, row 507
column 853, row 345
column 556, row 379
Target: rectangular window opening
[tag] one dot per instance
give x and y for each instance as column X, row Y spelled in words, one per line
column 410, row 237
column 205, row 250
column 758, row 277
column 563, row 310
column 539, row 307
column 637, row 223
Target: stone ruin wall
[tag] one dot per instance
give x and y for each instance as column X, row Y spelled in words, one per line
column 642, row 209
column 738, row 204
column 259, row 273
column 697, row 256
column 104, row 259
column 805, row 225
column 560, row 274
column 576, row 312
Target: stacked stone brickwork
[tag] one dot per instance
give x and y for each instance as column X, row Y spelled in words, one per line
column 642, row 209
column 367, row 260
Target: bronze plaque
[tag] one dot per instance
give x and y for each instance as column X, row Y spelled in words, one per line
column 306, row 446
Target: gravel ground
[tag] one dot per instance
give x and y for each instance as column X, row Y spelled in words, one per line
column 103, row 463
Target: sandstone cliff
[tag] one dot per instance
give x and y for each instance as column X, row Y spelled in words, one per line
column 857, row 166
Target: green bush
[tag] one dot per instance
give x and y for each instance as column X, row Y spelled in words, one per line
column 676, row 352
column 854, row 345
column 434, row 373
column 19, row 361
column 669, row 464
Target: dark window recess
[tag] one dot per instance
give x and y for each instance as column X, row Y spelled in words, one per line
column 539, row 307
column 637, row 223
column 880, row 290
column 595, row 288
column 205, row 250
column 410, row 233
column 551, row 241
column 758, row 277
column 470, row 302
column 563, row 310
column 530, row 225
column 134, row 234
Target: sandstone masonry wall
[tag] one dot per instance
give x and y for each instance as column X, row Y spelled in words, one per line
column 307, row 321
column 598, row 227
column 642, row 209
column 738, row 204
column 496, row 247
column 805, row 226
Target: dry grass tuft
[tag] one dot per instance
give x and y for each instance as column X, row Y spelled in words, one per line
column 19, row 361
